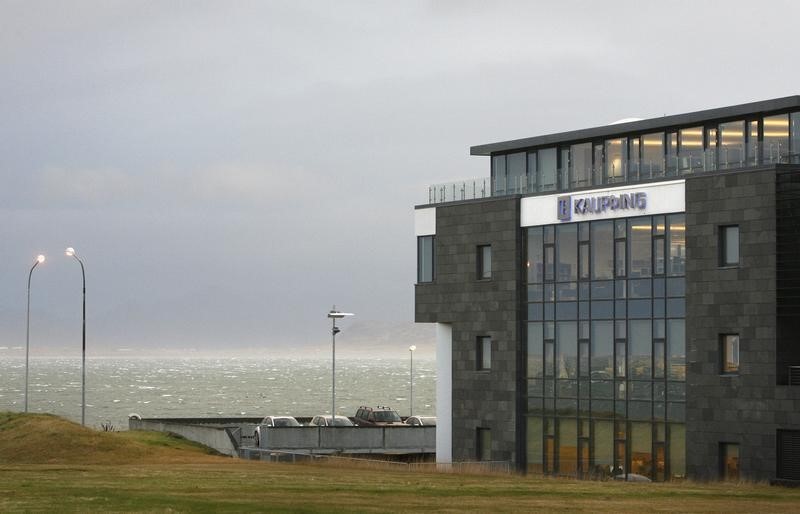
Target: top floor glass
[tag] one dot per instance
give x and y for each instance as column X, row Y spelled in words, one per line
column 760, row 133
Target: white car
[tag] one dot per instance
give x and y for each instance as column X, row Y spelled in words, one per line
column 421, row 421
column 274, row 422
column 325, row 421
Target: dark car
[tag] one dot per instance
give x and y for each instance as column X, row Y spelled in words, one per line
column 377, row 417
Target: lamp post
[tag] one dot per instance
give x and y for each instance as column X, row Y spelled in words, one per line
column 71, row 253
column 39, row 260
column 411, row 381
column 334, row 315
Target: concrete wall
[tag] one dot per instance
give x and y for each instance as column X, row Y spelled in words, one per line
column 472, row 307
column 349, row 438
column 749, row 407
column 220, row 438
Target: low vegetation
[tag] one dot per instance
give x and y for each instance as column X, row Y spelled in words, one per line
column 50, row 464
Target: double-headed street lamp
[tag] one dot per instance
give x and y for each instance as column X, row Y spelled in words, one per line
column 411, row 350
column 71, row 253
column 39, row 260
column 334, row 315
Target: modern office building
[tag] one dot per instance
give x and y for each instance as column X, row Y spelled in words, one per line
column 623, row 299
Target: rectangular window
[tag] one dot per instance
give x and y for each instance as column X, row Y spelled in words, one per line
column 776, row 138
column 485, row 262
column 652, row 164
column 580, row 165
column 425, row 259
column 729, row 351
column 616, row 153
column 483, row 444
column 484, row 353
column 729, row 245
column 547, row 167
column 731, row 145
column 498, row 175
column 729, row 461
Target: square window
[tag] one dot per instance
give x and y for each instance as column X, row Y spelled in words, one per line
column 484, row 353
column 729, row 245
column 483, row 444
column 425, row 259
column 729, row 461
column 484, row 262
column 729, row 351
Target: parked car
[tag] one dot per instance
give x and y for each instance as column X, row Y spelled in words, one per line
column 421, row 421
column 324, row 420
column 274, row 422
column 377, row 417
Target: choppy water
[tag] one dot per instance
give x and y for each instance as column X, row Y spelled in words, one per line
column 116, row 388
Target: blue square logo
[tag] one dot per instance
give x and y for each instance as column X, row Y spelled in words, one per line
column 564, row 208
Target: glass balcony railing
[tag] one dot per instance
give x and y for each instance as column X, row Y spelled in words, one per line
column 630, row 172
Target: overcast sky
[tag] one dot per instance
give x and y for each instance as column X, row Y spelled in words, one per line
column 229, row 170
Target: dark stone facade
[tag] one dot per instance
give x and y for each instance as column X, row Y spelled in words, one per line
column 481, row 399
column 748, row 408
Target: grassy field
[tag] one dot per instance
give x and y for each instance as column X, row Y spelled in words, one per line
column 49, row 464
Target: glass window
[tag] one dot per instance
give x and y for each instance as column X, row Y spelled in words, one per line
column 484, row 353
column 425, row 259
column 598, row 168
column 602, row 250
column 676, row 349
column 640, row 344
column 535, row 263
column 677, row 244
column 729, row 351
column 634, row 170
column 672, row 154
column 580, row 165
column 484, row 444
column 498, row 175
column 729, row 461
column 535, row 350
column 567, row 350
column 641, row 437
column 567, row 252
column 615, row 161
column 711, row 149
column 658, row 359
column 729, row 245
column 515, row 173
column 567, row 446
column 640, row 244
column 485, row 261
column 794, row 133
column 691, row 149
column 534, row 444
column 731, row 144
column 602, row 343
column 677, row 450
column 776, row 138
column 753, row 156
column 652, row 164
column 547, row 167
column 533, row 178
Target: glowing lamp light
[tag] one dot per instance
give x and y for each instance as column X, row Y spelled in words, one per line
column 40, row 259
column 70, row 252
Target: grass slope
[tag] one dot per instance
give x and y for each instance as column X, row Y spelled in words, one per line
column 150, row 472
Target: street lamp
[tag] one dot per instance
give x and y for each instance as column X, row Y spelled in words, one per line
column 334, row 315
column 411, row 376
column 39, row 260
column 71, row 253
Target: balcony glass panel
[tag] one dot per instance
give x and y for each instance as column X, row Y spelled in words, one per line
column 580, row 165
column 547, row 165
column 516, row 179
column 615, row 160
column 652, row 164
column 731, row 145
column 691, row 150
column 499, row 175
column 776, row 138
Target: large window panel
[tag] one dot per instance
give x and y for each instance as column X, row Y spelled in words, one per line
column 499, row 174
column 794, row 133
column 640, row 244
column 567, row 350
column 548, row 169
column 676, row 349
column 640, row 349
column 691, row 149
column 652, row 164
column 533, row 176
column 677, row 245
column 616, row 160
column 731, row 145
column 602, row 250
column 515, row 173
column 425, row 259
column 776, row 138
column 567, row 252
column 534, row 445
column 567, row 446
column 535, row 350
column 641, row 449
column 602, row 343
column 535, row 263
column 580, row 165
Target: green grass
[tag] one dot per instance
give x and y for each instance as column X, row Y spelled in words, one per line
column 172, row 475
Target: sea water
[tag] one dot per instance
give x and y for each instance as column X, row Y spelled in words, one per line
column 116, row 388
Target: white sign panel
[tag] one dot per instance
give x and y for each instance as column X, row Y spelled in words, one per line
column 425, row 221
column 600, row 204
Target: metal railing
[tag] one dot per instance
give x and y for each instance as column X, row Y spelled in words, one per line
column 632, row 171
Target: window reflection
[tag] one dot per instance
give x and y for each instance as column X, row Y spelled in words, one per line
column 731, row 145
column 652, row 164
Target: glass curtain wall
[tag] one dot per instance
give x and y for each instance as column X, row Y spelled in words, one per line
column 606, row 347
